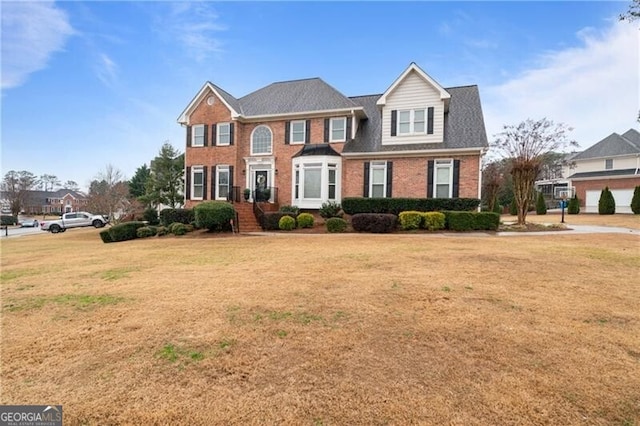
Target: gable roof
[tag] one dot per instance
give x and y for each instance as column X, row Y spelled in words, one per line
column 612, row 146
column 413, row 68
column 230, row 102
column 463, row 125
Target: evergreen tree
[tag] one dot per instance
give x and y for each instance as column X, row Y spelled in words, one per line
column 635, row 201
column 541, row 204
column 606, row 204
column 574, row 205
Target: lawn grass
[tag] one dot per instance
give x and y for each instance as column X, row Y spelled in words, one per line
column 324, row 329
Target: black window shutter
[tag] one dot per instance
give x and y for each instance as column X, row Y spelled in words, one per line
column 307, row 131
column 430, row 120
column 287, row 132
column 204, row 182
column 430, row 179
column 394, row 122
column 456, row 179
column 214, row 135
column 214, row 174
column 187, row 189
column 231, row 132
column 389, row 178
column 231, row 194
column 206, row 129
column 347, row 136
column 365, row 187
column 326, row 130
column 188, row 136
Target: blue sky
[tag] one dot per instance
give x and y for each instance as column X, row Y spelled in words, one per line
column 86, row 84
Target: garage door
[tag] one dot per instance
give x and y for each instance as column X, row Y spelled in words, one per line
column 622, row 197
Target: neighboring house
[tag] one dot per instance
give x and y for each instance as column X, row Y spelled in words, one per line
column 612, row 162
column 308, row 143
column 50, row 202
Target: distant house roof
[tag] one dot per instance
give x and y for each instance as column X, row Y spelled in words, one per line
column 605, row 174
column 612, row 146
column 463, row 125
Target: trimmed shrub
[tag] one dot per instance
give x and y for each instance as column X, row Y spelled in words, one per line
column 293, row 211
column 574, row 205
column 606, row 203
column 178, row 228
column 472, row 221
column 378, row 223
column 150, row 215
column 635, row 201
column 433, row 221
column 355, row 205
column 541, row 204
column 169, row 216
column 271, row 220
column 189, row 228
column 161, row 230
column 305, row 220
column 125, row 231
column 513, row 208
column 336, row 224
column 145, row 232
column 287, row 223
column 9, row 220
column 410, row 220
column 330, row 209
column 105, row 236
column 214, row 215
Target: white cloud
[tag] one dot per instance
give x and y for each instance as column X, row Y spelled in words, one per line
column 106, row 70
column 31, row 33
column 593, row 88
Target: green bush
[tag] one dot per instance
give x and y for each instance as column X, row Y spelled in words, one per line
column 336, row 224
column 606, row 203
column 125, row 231
column 271, row 220
column 330, row 209
column 293, row 211
column 472, row 221
column 161, row 230
column 305, row 220
column 410, row 220
column 9, row 220
column 169, row 216
column 105, row 235
column 355, row 205
column 287, row 223
column 215, row 215
column 513, row 208
column 635, row 201
column 189, row 228
column 150, row 215
column 145, row 232
column 178, row 228
column 433, row 221
column 378, row 223
column 541, row 204
column 574, row 205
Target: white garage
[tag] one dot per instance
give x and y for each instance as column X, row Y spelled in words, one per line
column 622, row 196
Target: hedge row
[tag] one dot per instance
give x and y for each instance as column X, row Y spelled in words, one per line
column 432, row 221
column 169, row 216
column 472, row 221
column 378, row 223
column 214, row 215
column 395, row 206
column 9, row 220
column 132, row 230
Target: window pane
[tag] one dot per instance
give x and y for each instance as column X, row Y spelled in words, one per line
column 332, row 176
column 442, row 191
column 404, row 121
column 377, row 191
column 261, row 142
column 198, row 135
column 297, row 131
column 223, row 178
column 332, row 192
column 337, row 129
column 377, row 176
column 311, row 183
column 418, row 121
column 223, row 191
column 223, row 134
column 197, row 178
column 442, row 175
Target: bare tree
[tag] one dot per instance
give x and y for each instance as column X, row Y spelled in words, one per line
column 17, row 187
column 492, row 182
column 108, row 194
column 71, row 185
column 526, row 145
column 633, row 13
column 49, row 182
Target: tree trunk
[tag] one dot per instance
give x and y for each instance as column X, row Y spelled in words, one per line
column 523, row 179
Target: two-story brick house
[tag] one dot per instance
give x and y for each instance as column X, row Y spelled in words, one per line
column 310, row 144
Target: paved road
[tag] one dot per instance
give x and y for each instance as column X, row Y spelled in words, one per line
column 17, row 232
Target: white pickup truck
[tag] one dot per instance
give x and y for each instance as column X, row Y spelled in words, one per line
column 73, row 220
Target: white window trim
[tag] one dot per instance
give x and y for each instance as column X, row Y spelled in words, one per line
column 193, row 135
column 304, row 132
column 326, row 163
column 344, row 121
column 194, row 170
column 219, row 133
column 605, row 163
column 378, row 165
column 251, row 140
column 443, row 165
column 219, row 169
column 412, row 121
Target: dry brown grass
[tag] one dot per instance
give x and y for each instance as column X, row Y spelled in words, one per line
column 621, row 220
column 324, row 329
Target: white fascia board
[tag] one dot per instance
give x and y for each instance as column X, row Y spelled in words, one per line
column 357, row 111
column 184, row 116
column 444, row 95
column 582, row 179
column 413, row 153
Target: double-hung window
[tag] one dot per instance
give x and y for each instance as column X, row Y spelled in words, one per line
column 197, row 135
column 338, row 129
column 222, row 182
column 224, row 134
column 297, row 131
column 411, row 121
column 608, row 164
column 378, row 179
column 197, row 182
column 443, row 173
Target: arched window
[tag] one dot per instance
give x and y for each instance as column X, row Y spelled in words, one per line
column 261, row 140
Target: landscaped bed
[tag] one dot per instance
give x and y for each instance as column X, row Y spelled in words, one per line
column 331, row 329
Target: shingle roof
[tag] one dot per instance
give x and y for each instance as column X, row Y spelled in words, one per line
column 605, row 173
column 317, row 149
column 233, row 102
column 463, row 125
column 294, row 96
column 612, row 146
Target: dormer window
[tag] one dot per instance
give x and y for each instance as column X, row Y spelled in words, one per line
column 412, row 122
